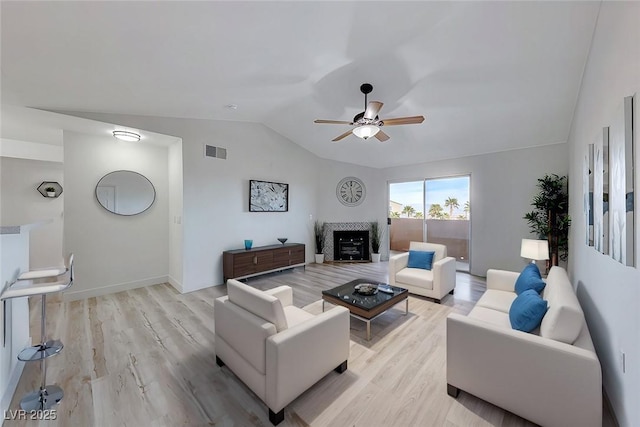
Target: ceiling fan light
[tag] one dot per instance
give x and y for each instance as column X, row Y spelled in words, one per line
column 124, row 135
column 365, row 131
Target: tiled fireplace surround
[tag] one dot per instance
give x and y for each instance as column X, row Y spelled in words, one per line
column 330, row 227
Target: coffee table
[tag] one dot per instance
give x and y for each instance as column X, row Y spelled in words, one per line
column 365, row 307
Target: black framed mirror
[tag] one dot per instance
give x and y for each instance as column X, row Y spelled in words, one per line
column 125, row 192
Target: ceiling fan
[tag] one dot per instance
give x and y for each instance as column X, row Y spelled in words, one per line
column 367, row 123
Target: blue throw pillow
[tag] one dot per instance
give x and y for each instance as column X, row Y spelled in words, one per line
column 530, row 278
column 527, row 311
column 420, row 259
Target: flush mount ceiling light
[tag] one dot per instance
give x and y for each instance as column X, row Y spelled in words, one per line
column 124, row 135
column 365, row 131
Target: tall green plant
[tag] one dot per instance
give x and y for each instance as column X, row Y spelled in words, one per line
column 376, row 237
column 319, row 236
column 550, row 218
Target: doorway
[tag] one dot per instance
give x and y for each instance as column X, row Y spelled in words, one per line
column 435, row 210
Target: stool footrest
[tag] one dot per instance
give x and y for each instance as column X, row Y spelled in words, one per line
column 40, row 351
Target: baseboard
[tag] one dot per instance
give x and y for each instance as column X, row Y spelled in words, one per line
column 199, row 287
column 72, row 295
column 607, row 404
column 177, row 285
column 12, row 385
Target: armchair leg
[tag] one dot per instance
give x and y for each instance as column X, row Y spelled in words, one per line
column 452, row 391
column 341, row 368
column 451, row 293
column 276, row 418
column 219, row 362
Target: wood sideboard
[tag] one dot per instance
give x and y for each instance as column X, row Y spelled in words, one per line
column 242, row 263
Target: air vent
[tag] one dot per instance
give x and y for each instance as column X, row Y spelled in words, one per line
column 218, row 152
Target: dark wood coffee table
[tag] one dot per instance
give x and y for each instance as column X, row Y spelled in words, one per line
column 365, row 307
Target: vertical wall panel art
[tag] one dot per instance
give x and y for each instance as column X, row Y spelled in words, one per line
column 621, row 206
column 590, row 153
column 601, row 193
column 598, row 168
column 587, row 179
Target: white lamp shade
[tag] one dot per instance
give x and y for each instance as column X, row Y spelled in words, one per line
column 534, row 249
column 365, row 131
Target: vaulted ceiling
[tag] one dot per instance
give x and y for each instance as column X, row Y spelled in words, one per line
column 488, row 76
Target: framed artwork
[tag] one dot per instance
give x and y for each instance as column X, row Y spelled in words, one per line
column 601, row 192
column 621, row 201
column 588, row 193
column 265, row 196
column 586, row 208
column 598, row 167
column 630, row 152
column 605, row 191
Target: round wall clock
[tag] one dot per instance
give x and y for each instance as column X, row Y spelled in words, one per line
column 351, row 191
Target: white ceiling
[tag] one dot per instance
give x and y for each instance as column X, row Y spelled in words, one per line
column 488, row 76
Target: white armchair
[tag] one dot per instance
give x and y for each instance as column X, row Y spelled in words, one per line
column 435, row 283
column 275, row 348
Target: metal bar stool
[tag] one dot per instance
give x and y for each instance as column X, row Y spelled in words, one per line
column 33, row 283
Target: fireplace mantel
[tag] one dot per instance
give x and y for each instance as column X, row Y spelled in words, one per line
column 330, row 227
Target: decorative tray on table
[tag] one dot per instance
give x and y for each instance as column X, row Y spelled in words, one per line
column 366, row 288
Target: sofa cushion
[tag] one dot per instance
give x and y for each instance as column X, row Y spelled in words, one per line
column 527, row 311
column 296, row 315
column 420, row 259
column 415, row 277
column 489, row 315
column 257, row 302
column 497, row 300
column 565, row 319
column 530, row 278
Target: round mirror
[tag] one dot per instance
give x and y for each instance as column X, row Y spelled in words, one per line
column 125, row 193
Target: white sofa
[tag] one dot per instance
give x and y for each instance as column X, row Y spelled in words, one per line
column 550, row 376
column 435, row 283
column 275, row 348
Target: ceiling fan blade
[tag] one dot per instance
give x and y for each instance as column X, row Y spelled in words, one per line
column 344, row 135
column 382, row 137
column 372, row 110
column 333, row 122
column 403, row 121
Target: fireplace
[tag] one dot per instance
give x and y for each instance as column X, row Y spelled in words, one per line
column 352, row 245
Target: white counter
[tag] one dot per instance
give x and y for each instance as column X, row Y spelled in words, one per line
column 14, row 314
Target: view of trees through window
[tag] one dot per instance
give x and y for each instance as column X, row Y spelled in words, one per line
column 445, row 198
column 433, row 210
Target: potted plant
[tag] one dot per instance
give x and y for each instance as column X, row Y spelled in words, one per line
column 319, row 237
column 550, row 219
column 51, row 192
column 376, row 238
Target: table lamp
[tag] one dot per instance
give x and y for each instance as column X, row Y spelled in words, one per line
column 535, row 250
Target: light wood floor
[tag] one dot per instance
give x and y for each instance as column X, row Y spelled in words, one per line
column 147, row 358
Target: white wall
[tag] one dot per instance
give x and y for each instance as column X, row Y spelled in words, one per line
column 23, row 204
column 502, row 186
column 608, row 291
column 216, row 214
column 113, row 252
column 175, row 215
column 30, row 150
column 374, row 206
